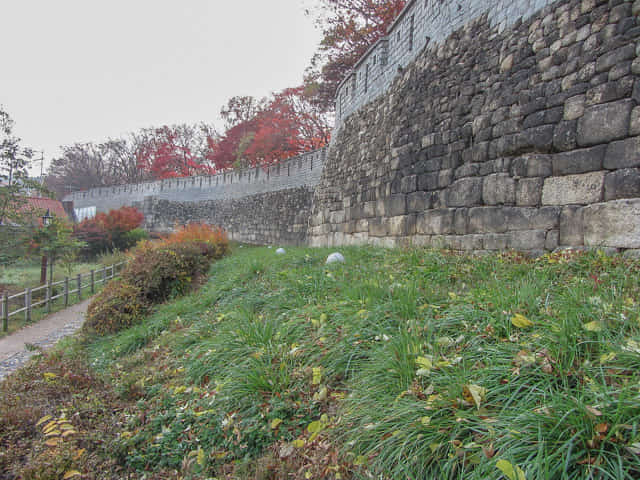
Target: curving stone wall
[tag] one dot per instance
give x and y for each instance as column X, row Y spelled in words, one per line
column 258, row 205
column 519, row 136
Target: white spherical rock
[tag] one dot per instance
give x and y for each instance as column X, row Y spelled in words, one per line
column 280, row 251
column 335, row 258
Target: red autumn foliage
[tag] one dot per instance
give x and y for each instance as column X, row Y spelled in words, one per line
column 262, row 133
column 106, row 231
column 349, row 28
column 171, row 151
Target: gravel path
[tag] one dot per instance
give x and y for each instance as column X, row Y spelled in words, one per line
column 44, row 334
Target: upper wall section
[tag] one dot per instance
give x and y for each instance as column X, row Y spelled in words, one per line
column 525, row 139
column 422, row 23
column 301, row 171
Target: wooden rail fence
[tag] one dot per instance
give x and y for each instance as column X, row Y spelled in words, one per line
column 23, row 302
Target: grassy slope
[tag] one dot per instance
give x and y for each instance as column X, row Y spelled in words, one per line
column 405, row 364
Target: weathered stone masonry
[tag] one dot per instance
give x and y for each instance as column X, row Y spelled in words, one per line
column 525, row 139
column 474, row 125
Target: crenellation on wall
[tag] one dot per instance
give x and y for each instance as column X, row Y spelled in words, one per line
column 303, row 170
column 426, row 24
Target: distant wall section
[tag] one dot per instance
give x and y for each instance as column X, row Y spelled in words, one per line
column 257, row 205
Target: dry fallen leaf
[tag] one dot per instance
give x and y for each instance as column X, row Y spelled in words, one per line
column 521, row 321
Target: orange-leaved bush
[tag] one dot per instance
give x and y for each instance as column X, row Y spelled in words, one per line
column 201, row 233
column 157, row 271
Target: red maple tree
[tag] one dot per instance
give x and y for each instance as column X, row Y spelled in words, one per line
column 175, row 151
column 283, row 126
column 349, row 28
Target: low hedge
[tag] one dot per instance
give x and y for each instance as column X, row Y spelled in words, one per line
column 118, row 306
column 156, row 272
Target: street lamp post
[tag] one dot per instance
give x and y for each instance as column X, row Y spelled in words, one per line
column 46, row 221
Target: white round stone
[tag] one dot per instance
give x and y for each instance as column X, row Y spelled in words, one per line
column 335, row 257
column 280, row 251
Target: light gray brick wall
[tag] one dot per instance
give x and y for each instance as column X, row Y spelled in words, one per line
column 300, row 171
column 423, row 23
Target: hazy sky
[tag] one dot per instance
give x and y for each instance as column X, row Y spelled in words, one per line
column 84, row 70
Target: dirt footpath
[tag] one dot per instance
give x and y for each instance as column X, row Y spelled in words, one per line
column 44, row 334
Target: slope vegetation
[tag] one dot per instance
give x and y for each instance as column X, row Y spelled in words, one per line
column 396, row 364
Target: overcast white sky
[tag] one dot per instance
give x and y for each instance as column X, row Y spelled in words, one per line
column 85, row 70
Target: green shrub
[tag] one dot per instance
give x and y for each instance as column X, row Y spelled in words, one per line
column 162, row 271
column 131, row 238
column 157, row 271
column 117, row 307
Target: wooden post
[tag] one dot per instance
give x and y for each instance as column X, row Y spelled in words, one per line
column 79, row 286
column 5, row 312
column 104, row 275
column 66, row 291
column 93, row 285
column 48, row 296
column 28, row 305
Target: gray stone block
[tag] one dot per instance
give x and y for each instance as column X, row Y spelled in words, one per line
column 470, row 243
column 495, row 241
column 612, row 58
column 531, row 165
column 435, row 222
column 581, row 189
column 571, row 226
column 523, row 218
column 529, row 191
column 565, row 135
column 538, row 138
column 418, row 202
column 613, row 224
column 623, row 154
column 604, row 123
column 395, row 205
column 369, row 209
column 551, row 241
column 409, row 184
column 634, row 124
column 499, row 189
column 461, row 221
column 623, row 183
column 574, row 107
column 578, row 161
column 465, row 192
column 526, row 240
column 487, row 220
column 378, row 227
column 402, row 225
column 428, row 181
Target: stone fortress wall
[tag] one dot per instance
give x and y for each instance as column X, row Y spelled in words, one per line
column 474, row 125
column 420, row 24
column 260, row 205
column 520, row 135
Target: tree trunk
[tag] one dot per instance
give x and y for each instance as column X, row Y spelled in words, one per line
column 43, row 270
